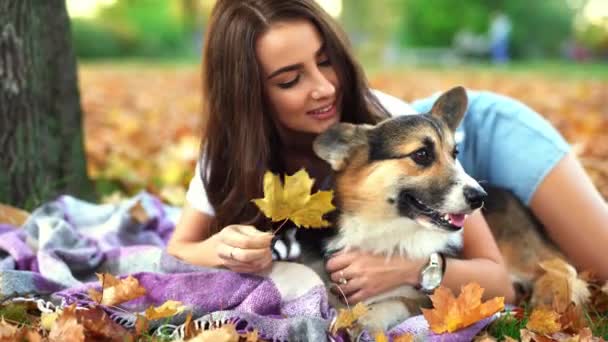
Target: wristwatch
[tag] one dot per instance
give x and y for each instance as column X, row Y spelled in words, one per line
column 432, row 274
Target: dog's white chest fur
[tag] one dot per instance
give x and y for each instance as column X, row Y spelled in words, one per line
column 398, row 236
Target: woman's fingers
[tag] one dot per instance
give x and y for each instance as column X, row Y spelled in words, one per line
column 245, row 237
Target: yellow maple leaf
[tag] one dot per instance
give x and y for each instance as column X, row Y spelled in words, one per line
column 559, row 286
column 293, row 200
column 347, row 317
column 116, row 291
column 544, row 321
column 166, row 309
column 450, row 314
column 13, row 216
column 380, row 337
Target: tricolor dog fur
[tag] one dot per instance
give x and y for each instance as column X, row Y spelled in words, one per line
column 400, row 190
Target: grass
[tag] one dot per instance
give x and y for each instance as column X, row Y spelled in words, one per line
column 547, row 68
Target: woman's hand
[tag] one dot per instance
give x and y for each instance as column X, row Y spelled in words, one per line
column 361, row 275
column 243, row 248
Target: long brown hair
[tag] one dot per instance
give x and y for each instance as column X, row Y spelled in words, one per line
column 239, row 140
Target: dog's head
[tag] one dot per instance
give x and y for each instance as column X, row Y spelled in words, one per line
column 404, row 167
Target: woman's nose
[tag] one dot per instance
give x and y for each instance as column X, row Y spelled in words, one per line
column 322, row 87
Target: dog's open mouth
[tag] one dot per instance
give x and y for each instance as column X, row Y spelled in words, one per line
column 451, row 222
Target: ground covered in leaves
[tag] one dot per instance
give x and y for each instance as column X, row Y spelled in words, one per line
column 142, row 128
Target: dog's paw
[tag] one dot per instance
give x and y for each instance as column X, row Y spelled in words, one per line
column 383, row 315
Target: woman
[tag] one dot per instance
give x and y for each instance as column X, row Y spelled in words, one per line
column 276, row 74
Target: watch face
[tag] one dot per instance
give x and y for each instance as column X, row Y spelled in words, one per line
column 431, row 278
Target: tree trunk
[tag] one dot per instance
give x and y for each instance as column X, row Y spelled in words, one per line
column 41, row 134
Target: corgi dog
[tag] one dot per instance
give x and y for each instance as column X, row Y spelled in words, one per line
column 400, row 190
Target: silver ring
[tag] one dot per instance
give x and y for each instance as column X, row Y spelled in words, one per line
column 342, row 281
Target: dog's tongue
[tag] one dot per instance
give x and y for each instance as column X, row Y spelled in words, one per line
column 457, row 219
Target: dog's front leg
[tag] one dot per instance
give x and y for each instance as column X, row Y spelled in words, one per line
column 383, row 315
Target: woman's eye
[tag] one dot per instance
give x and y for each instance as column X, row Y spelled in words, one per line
column 325, row 62
column 422, row 157
column 289, row 84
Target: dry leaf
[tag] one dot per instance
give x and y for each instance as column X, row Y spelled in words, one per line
column 227, row 333
column 66, row 327
column 559, row 286
column 8, row 332
column 138, row 213
column 13, row 216
column 544, row 321
column 572, row 320
column 98, row 325
column 167, row 309
column 293, row 201
column 450, row 314
column 142, row 325
column 115, row 291
column 47, row 319
column 380, row 337
column 347, row 317
column 252, row 336
column 404, row 338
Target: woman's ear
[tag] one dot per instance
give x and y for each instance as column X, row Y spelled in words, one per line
column 451, row 106
column 337, row 143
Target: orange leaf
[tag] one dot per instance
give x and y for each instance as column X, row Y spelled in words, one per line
column 380, row 337
column 450, row 314
column 115, row 291
column 559, row 286
column 404, row 338
column 13, row 216
column 66, row 327
column 544, row 321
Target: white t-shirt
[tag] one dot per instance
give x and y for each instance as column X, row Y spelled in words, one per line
column 197, row 196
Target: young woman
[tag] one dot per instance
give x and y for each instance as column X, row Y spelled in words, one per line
column 277, row 73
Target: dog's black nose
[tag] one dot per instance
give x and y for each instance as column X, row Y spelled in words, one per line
column 474, row 196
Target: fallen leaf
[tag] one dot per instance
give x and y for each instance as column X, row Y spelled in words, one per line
column 404, row 338
column 115, row 291
column 572, row 320
column 66, row 327
column 167, row 309
column 544, row 321
column 13, row 216
column 559, row 286
column 226, row 333
column 347, row 317
column 138, row 213
column 142, row 325
column 47, row 319
column 8, row 332
column 293, row 201
column 450, row 314
column 98, row 325
column 380, row 337
column 251, row 336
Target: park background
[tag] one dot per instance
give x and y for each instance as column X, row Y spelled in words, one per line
column 138, row 73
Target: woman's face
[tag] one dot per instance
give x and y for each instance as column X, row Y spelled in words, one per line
column 299, row 80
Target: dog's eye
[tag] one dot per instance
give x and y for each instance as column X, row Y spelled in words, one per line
column 455, row 152
column 422, row 157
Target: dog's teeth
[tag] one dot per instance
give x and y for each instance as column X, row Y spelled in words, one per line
column 447, row 218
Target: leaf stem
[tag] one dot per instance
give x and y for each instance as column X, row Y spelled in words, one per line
column 281, row 226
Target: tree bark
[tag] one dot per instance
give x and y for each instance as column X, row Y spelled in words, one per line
column 41, row 134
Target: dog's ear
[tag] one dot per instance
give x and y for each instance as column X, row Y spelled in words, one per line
column 451, row 106
column 337, row 143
